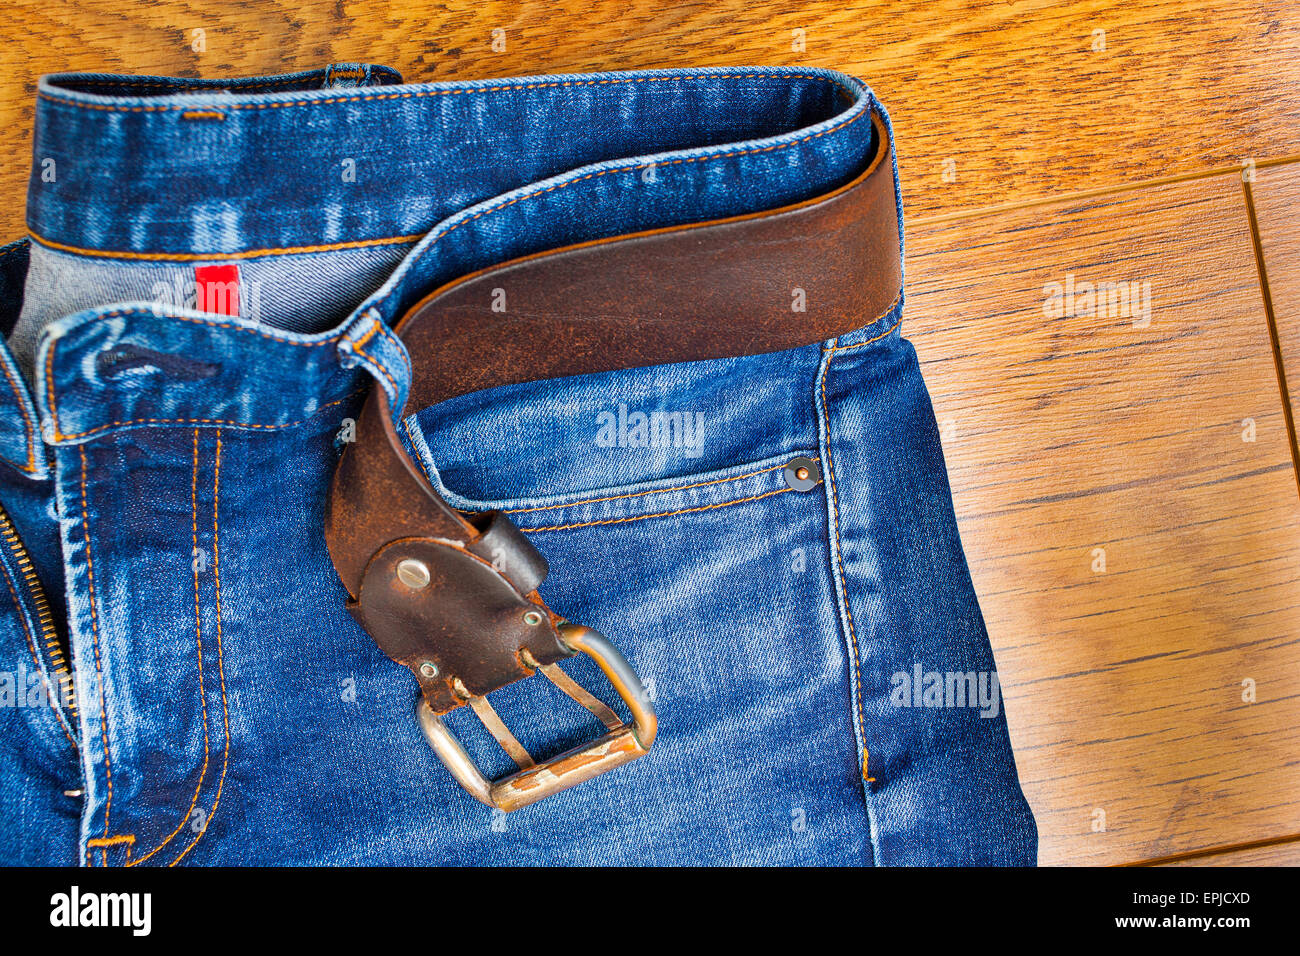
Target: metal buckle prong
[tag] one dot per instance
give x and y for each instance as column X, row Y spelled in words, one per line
column 535, row 781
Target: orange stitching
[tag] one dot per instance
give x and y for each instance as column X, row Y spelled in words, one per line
column 638, row 494
column 203, row 114
column 858, row 345
column 221, row 666
column 380, row 327
column 122, row 313
column 401, row 352
column 198, row 640
column 203, row 256
column 99, row 670
column 199, row 421
column 49, row 386
column 214, row 323
column 357, row 347
column 531, row 195
column 434, row 240
column 632, row 168
column 663, row 514
column 379, row 367
column 124, row 838
column 31, row 646
column 59, row 436
column 832, row 500
column 382, row 371
column 28, row 427
column 181, row 83
column 359, row 343
column 432, row 243
column 406, row 427
column 397, row 343
column 419, row 94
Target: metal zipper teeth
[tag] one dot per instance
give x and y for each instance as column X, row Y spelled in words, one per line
column 49, row 635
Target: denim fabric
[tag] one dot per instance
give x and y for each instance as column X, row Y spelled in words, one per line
column 166, row 470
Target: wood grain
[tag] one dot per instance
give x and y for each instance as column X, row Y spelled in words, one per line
column 1013, row 94
column 1276, row 196
column 1274, row 854
column 1065, row 435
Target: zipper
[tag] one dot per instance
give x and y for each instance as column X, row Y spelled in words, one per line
column 57, row 660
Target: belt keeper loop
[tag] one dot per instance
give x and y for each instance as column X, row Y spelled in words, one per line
column 504, row 546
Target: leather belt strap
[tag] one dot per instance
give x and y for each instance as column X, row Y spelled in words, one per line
column 455, row 598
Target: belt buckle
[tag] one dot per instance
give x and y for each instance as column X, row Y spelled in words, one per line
column 533, row 781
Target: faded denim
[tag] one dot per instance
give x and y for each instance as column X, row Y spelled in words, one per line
column 166, row 471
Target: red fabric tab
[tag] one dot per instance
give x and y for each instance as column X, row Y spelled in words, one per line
column 218, row 289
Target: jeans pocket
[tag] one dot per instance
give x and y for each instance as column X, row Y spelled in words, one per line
column 717, row 587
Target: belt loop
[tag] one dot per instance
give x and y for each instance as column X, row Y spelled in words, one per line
column 368, row 342
column 340, row 76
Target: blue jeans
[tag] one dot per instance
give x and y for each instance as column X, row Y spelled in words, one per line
column 825, row 686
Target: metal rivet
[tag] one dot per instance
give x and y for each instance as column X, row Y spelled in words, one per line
column 802, row 474
column 413, row 572
column 532, row 618
column 429, row 669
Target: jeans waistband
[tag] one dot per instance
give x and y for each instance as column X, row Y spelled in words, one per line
column 163, row 173
column 157, row 166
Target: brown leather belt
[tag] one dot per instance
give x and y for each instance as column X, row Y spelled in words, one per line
column 454, row 598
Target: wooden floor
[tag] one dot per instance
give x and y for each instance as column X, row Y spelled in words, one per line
column 1123, row 465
